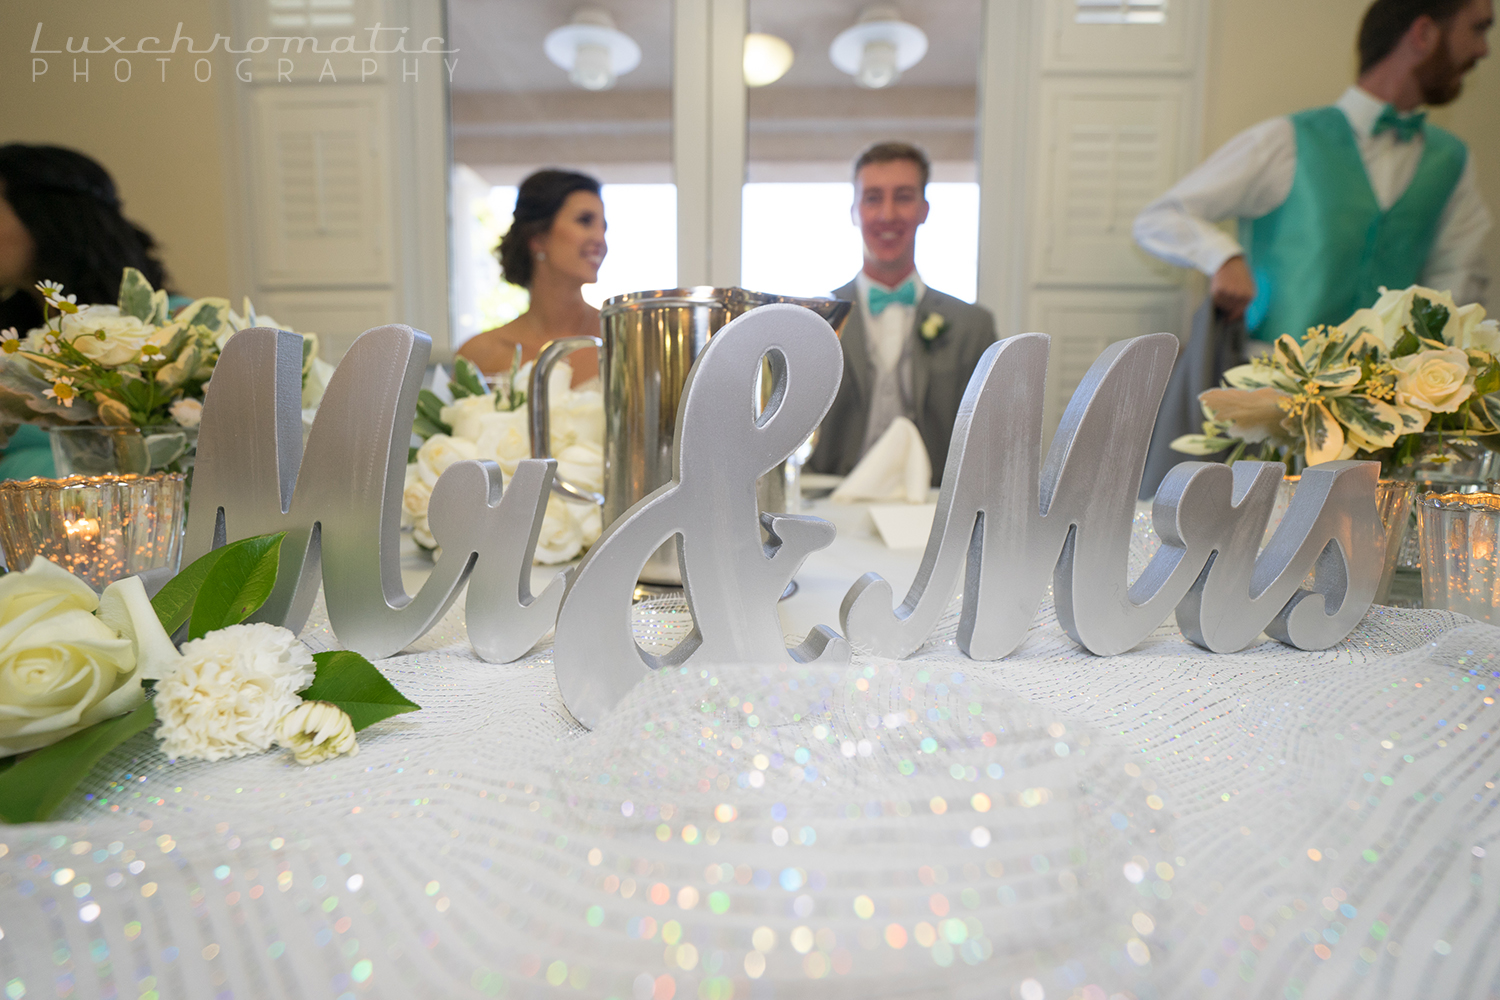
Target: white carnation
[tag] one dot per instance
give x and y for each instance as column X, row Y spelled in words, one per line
column 231, row 690
column 316, row 731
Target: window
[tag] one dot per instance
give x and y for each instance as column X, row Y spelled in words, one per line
column 1121, row 11
column 642, row 249
column 799, row 238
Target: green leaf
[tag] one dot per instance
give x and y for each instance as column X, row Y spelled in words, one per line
column 38, row 783
column 430, row 414
column 1406, row 344
column 351, row 682
column 1487, row 381
column 411, row 455
column 467, row 380
column 174, row 601
column 136, row 295
column 237, row 584
column 1428, row 319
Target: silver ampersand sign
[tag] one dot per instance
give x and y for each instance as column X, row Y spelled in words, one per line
column 732, row 578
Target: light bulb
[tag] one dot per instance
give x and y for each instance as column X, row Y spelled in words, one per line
column 877, row 65
column 591, row 67
column 767, row 58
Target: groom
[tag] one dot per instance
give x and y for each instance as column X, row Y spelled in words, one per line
column 908, row 349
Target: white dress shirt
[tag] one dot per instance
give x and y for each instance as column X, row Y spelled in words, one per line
column 887, row 337
column 1251, row 176
column 886, row 333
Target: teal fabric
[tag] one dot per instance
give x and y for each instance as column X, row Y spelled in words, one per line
column 1328, row 248
column 1407, row 127
column 28, row 453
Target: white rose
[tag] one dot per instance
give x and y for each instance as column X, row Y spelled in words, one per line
column 590, row 521
column 505, row 438
column 315, row 383
column 1367, row 321
column 561, row 538
column 422, row 534
column 316, row 731
column 415, row 498
column 1437, row 381
column 577, row 418
column 1394, row 309
column 230, row 690
column 463, row 415
column 582, row 465
column 1467, row 326
column 187, row 412
column 123, row 335
column 438, row 452
column 1486, row 337
column 62, row 667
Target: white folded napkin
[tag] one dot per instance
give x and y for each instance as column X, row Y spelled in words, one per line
column 896, row 468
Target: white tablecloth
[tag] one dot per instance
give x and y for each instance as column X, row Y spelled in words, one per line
column 1158, row 824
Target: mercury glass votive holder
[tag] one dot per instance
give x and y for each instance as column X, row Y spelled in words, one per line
column 1460, row 540
column 100, row 528
column 1393, row 500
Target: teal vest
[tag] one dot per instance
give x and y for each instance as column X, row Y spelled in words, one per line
column 1328, row 248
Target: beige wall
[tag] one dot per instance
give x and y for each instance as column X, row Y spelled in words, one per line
column 161, row 141
column 1270, row 57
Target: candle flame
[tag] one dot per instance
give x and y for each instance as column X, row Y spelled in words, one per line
column 84, row 526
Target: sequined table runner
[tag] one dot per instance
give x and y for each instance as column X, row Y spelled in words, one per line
column 1164, row 823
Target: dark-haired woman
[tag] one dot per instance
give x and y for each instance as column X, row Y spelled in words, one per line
column 60, row 220
column 553, row 248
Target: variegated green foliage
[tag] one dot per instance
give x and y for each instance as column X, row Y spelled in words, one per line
column 1341, row 393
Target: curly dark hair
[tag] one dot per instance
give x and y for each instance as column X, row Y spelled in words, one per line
column 1387, row 21
column 69, row 206
column 538, row 201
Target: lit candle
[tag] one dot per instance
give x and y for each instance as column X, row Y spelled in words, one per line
column 101, row 528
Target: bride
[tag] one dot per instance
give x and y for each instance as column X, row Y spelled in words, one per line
column 553, row 248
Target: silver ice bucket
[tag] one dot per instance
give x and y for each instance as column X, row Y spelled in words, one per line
column 648, row 343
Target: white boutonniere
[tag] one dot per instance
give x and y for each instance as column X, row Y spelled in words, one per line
column 933, row 327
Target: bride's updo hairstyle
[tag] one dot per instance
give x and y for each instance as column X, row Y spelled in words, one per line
column 538, row 201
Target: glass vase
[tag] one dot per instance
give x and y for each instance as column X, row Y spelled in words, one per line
column 1446, row 464
column 1393, row 499
column 95, row 450
column 101, row 528
column 1460, row 541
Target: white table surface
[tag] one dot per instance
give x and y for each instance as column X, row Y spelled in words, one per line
column 1163, row 823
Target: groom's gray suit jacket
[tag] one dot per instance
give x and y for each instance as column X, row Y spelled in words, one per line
column 940, row 373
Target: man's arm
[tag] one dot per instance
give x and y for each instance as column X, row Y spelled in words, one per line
column 1456, row 261
column 1247, row 177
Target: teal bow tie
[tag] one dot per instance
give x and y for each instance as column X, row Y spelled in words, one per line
column 880, row 298
column 1407, row 127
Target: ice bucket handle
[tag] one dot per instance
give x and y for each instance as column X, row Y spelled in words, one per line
column 541, row 424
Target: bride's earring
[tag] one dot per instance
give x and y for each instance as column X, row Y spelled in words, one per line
column 541, row 255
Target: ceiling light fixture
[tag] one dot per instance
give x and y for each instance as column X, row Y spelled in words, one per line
column 592, row 50
column 767, row 58
column 879, row 48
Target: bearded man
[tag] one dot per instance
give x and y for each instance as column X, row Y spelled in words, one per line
column 1337, row 201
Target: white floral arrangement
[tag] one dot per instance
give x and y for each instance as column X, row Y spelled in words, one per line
column 78, row 671
column 1414, row 376
column 493, row 424
column 137, row 362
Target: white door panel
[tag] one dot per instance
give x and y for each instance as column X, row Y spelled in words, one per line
column 1108, row 148
column 322, row 183
column 1083, row 323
